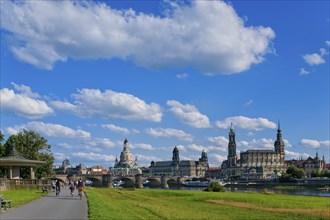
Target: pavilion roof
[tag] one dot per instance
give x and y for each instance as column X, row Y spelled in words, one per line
column 14, row 158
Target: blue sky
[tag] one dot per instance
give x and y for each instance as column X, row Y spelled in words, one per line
column 86, row 75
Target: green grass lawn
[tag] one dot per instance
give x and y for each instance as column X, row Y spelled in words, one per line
column 21, row 196
column 107, row 203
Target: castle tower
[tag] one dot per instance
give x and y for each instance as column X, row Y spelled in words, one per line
column 279, row 143
column 231, row 148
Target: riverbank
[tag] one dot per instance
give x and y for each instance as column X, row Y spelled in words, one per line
column 105, row 203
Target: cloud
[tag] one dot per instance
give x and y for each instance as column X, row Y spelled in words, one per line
column 263, row 143
column 219, row 141
column 195, row 147
column 189, row 114
column 116, row 129
column 248, row 103
column 144, row 146
column 111, row 105
column 182, row 76
column 243, row 122
column 65, row 145
column 207, row 35
column 94, row 157
column 169, row 133
column 315, row 143
column 96, row 142
column 218, row 158
column 24, row 103
column 50, row 130
column 303, row 72
column 313, row 59
column 295, row 155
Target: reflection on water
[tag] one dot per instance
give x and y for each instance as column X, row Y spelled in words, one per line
column 305, row 192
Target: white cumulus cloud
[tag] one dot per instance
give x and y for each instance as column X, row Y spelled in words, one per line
column 313, row 59
column 23, row 103
column 50, row 130
column 315, row 143
column 169, row 133
column 116, row 129
column 247, row 123
column 208, row 35
column 189, row 114
column 109, row 104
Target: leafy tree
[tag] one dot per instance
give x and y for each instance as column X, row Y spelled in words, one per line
column 295, row 172
column 2, row 150
column 34, row 147
column 215, row 186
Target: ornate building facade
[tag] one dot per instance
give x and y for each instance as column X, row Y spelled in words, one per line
column 254, row 164
column 66, row 168
column 125, row 166
column 309, row 165
column 177, row 167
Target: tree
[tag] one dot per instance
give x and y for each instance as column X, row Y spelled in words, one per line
column 2, row 150
column 295, row 172
column 215, row 186
column 33, row 147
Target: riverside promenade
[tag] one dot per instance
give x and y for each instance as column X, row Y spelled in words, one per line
column 51, row 207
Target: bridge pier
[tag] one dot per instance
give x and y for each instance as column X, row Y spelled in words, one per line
column 107, row 181
column 138, row 181
column 163, row 182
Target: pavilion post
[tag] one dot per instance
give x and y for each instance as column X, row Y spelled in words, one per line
column 32, row 176
column 10, row 172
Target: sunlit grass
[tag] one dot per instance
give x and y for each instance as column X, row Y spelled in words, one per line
column 21, row 196
column 179, row 204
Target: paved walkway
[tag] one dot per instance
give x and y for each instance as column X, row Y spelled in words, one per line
column 51, row 207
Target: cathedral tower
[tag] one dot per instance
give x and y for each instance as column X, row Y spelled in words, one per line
column 231, row 148
column 279, row 143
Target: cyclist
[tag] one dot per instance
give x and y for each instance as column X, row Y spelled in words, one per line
column 71, row 187
column 58, row 187
column 80, row 187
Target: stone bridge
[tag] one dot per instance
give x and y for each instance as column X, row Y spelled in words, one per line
column 106, row 180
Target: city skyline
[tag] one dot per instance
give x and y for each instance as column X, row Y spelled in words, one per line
column 87, row 75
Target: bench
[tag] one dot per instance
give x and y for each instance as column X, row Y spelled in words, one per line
column 44, row 189
column 5, row 203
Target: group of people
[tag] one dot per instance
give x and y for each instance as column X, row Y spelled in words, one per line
column 79, row 184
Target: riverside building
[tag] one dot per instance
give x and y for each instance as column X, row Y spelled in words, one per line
column 254, row 164
column 177, row 167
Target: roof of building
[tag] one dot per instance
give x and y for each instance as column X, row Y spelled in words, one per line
column 14, row 158
column 187, row 163
column 259, row 152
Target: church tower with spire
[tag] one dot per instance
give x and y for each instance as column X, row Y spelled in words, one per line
column 232, row 157
column 279, row 143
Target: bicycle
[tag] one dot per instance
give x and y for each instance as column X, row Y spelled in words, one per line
column 80, row 191
column 58, row 191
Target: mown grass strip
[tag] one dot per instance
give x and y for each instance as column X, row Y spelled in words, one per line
column 179, row 204
column 316, row 212
column 21, row 196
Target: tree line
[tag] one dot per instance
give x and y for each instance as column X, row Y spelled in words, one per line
column 32, row 146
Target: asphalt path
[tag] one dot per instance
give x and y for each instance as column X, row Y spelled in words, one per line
column 51, row 206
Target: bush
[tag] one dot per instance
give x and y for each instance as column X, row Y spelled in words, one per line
column 215, row 187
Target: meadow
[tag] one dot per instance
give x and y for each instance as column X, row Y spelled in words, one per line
column 105, row 203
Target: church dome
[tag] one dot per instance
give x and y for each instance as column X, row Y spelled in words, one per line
column 66, row 163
